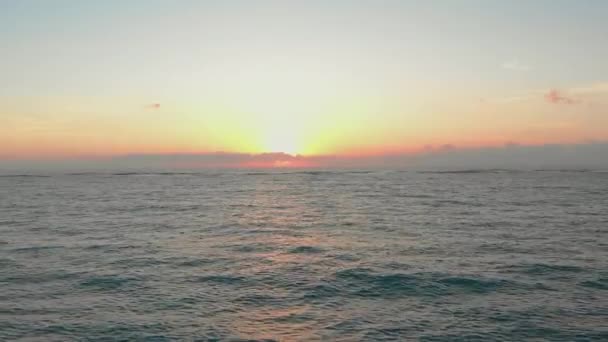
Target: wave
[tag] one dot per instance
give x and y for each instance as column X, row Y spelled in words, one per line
column 309, row 172
column 37, row 249
column 220, row 279
column 563, row 170
column 24, row 176
column 159, row 174
column 305, row 250
column 471, row 171
column 107, row 282
column 451, row 203
column 39, row 278
column 85, row 173
column 194, row 263
column 599, row 283
column 542, row 269
column 363, row 282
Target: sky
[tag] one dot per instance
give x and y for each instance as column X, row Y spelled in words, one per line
column 268, row 80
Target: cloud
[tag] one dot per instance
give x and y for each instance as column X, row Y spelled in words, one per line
column 152, row 106
column 215, row 160
column 590, row 155
column 556, row 97
column 515, row 65
column 584, row 94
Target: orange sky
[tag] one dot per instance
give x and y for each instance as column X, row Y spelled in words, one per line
column 72, row 126
column 304, row 78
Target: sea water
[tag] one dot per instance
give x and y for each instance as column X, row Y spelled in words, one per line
column 304, row 255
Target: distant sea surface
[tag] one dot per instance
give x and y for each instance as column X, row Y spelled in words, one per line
column 304, row 255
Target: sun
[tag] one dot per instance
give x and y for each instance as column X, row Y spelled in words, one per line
column 282, row 139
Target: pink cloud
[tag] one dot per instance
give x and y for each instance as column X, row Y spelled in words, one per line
column 556, row 97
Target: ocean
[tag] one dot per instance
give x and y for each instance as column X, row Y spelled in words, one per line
column 304, row 255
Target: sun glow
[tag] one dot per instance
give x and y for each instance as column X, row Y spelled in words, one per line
column 283, row 106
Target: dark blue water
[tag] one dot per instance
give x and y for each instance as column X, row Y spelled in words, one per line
column 349, row 256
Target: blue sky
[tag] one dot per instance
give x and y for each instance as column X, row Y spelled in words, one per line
column 45, row 43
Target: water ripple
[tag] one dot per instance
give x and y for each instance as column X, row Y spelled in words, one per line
column 465, row 255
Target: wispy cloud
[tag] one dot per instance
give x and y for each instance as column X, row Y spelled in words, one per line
column 593, row 89
column 515, row 65
column 584, row 94
column 513, row 99
column 152, row 106
column 556, row 97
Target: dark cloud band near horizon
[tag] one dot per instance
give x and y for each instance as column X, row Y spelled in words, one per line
column 593, row 155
